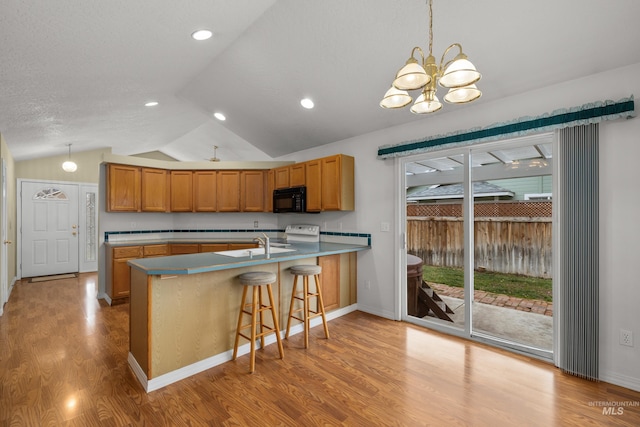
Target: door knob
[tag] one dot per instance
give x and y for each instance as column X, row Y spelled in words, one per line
column 74, row 233
column 73, row 226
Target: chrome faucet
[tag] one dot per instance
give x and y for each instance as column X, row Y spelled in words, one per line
column 265, row 243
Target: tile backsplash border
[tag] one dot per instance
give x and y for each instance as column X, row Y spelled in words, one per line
column 247, row 233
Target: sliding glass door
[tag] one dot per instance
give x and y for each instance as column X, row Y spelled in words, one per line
column 478, row 221
column 435, row 251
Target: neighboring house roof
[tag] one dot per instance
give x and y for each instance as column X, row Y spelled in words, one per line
column 456, row 191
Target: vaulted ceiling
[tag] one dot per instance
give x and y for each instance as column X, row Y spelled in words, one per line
column 80, row 72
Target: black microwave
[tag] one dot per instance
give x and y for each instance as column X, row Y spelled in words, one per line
column 290, row 200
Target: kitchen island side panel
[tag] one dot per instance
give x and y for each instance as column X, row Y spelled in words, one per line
column 139, row 319
column 194, row 317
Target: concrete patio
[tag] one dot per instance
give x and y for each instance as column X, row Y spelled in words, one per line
column 523, row 321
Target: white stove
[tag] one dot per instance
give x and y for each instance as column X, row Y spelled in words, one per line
column 303, row 233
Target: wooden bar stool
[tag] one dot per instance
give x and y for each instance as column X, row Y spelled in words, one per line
column 306, row 313
column 255, row 280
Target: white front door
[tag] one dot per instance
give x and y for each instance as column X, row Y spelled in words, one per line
column 4, row 276
column 49, row 228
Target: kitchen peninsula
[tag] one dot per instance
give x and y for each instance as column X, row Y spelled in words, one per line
column 184, row 308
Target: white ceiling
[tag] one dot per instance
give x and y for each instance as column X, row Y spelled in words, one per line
column 79, row 72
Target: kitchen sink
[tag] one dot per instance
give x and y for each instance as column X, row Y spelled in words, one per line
column 237, row 253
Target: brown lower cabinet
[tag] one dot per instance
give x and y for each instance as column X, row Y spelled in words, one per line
column 118, row 273
column 330, row 281
column 336, row 269
column 118, row 280
column 184, row 248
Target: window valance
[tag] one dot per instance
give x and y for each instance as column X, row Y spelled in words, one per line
column 594, row 112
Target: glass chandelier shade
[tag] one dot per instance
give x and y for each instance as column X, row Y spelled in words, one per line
column 426, row 103
column 460, row 72
column 462, row 95
column 412, row 76
column 395, row 98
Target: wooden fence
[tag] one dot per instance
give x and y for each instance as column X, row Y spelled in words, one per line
column 506, row 245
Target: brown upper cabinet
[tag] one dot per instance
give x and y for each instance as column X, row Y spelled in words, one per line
column 252, row 191
column 281, row 177
column 329, row 181
column 271, row 178
column 124, row 188
column 337, row 183
column 205, row 190
column 155, row 190
column 297, row 175
column 181, row 191
column 313, row 180
column 228, row 183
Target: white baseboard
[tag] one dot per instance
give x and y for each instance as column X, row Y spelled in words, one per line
column 376, row 312
column 179, row 374
column 621, row 380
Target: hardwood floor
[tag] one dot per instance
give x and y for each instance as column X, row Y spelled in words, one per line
column 63, row 361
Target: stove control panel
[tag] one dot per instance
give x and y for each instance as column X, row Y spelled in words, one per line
column 303, row 232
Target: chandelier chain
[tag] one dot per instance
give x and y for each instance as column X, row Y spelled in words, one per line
column 430, row 27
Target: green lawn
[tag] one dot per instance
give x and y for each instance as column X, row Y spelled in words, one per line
column 497, row 283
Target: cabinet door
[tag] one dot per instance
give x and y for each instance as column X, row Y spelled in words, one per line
column 330, row 281
column 124, row 188
column 282, row 177
column 331, row 183
column 228, row 191
column 297, row 175
column 121, row 278
column 313, row 178
column 181, row 191
column 120, row 270
column 271, row 183
column 252, row 191
column 337, row 183
column 184, row 248
column 205, row 190
column 213, row 247
column 155, row 190
column 150, row 251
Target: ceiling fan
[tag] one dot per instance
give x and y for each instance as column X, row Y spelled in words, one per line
column 215, row 157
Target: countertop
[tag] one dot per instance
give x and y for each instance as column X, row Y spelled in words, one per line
column 212, row 261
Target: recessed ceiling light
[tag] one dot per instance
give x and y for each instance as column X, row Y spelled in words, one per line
column 306, row 103
column 201, row 35
column 151, row 104
column 220, row 116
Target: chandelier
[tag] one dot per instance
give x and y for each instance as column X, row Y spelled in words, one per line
column 458, row 75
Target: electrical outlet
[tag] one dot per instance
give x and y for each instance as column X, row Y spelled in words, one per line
column 626, row 338
column 255, row 224
column 368, row 284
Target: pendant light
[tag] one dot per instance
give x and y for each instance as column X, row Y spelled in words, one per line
column 69, row 165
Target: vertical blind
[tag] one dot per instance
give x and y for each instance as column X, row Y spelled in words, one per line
column 578, row 281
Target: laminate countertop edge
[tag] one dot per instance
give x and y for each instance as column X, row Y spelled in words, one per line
column 212, row 261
